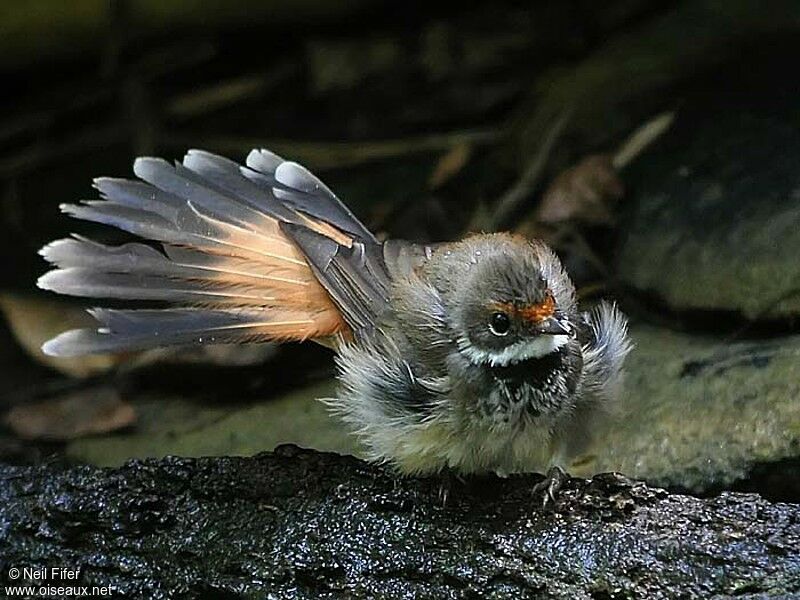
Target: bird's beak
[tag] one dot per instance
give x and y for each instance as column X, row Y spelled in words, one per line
column 554, row 326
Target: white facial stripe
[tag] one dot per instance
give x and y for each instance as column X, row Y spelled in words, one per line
column 535, row 348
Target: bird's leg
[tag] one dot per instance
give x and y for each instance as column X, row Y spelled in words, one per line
column 449, row 480
column 550, row 485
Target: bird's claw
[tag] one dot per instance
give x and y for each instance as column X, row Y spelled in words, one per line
column 550, row 486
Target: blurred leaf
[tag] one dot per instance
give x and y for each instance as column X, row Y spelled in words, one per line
column 638, row 141
column 585, row 192
column 450, row 165
column 79, row 413
column 34, row 320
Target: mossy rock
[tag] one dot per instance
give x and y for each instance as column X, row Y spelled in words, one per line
column 175, row 426
column 699, row 413
column 713, row 223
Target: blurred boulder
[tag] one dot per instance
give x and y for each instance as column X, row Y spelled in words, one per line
column 713, row 216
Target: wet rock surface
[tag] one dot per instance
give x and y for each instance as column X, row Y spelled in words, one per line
column 298, row 524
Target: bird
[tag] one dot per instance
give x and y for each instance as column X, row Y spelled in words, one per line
column 470, row 356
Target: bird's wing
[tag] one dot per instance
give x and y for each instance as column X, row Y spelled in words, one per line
column 605, row 343
column 256, row 252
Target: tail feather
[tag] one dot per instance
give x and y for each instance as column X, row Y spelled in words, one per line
column 137, row 271
column 92, row 283
column 264, row 162
column 176, row 261
column 138, row 195
column 230, row 177
column 225, row 263
column 194, row 229
column 128, row 330
column 298, row 188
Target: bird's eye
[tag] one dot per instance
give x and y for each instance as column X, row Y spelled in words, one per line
column 499, row 323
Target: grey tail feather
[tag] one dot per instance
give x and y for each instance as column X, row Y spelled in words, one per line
column 129, row 330
column 136, row 271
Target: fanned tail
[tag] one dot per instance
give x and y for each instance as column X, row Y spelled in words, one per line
column 224, row 260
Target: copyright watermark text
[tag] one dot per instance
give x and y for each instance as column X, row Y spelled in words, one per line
column 36, row 581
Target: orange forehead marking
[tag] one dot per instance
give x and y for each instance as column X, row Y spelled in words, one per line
column 536, row 313
column 533, row 313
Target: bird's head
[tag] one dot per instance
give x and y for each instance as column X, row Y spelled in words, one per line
column 508, row 308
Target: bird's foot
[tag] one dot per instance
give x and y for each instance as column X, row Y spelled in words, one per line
column 550, row 486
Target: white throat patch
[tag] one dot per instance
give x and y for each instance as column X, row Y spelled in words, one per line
column 535, row 348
